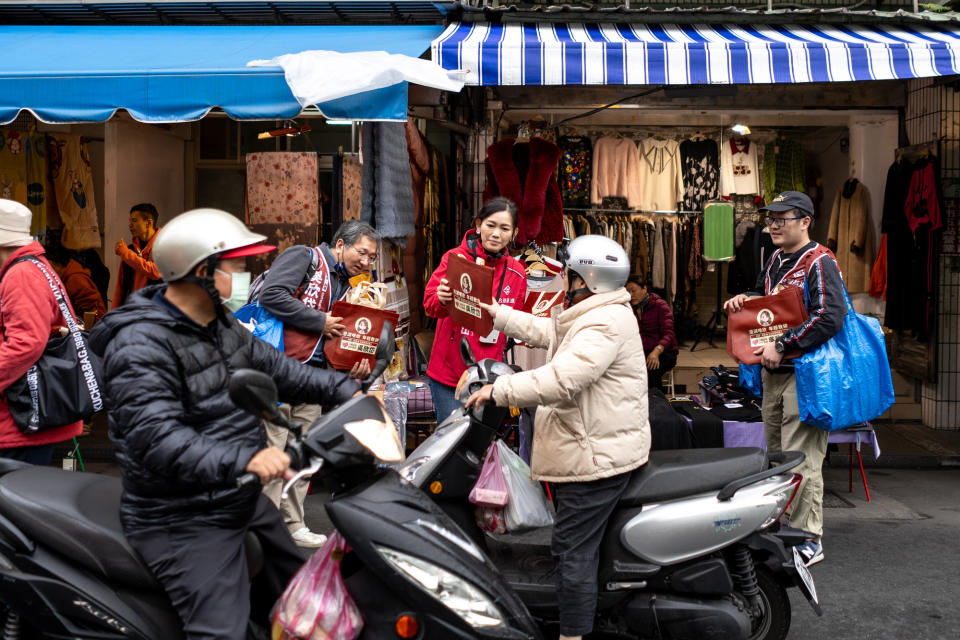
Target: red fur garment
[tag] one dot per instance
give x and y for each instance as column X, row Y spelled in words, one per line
column 526, row 173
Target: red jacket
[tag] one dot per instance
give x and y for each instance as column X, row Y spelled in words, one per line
column 28, row 315
column 84, row 295
column 656, row 325
column 446, row 365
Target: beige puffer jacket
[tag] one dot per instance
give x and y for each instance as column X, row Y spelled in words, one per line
column 592, row 420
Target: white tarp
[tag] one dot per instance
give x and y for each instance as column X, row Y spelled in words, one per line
column 320, row 76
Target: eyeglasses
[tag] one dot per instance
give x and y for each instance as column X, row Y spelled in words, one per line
column 777, row 223
column 364, row 256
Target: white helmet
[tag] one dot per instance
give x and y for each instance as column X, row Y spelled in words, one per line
column 600, row 261
column 196, row 235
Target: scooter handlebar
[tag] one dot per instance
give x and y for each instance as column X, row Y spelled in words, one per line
column 247, row 479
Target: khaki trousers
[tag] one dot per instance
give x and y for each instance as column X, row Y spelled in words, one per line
column 785, row 432
column 292, row 508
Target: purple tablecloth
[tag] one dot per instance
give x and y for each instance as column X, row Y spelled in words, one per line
column 750, row 434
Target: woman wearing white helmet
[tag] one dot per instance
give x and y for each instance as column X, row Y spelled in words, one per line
column 182, row 443
column 591, row 428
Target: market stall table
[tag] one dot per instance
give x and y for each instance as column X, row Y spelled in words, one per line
column 750, row 434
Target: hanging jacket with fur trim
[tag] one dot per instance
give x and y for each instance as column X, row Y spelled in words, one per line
column 526, row 173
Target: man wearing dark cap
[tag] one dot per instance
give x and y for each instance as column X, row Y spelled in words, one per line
column 798, row 262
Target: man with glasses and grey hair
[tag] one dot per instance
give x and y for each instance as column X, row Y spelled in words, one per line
column 802, row 263
column 300, row 289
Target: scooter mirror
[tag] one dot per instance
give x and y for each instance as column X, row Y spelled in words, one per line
column 255, row 392
column 384, row 355
column 466, row 352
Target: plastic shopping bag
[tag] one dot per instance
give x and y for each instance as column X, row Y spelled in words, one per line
column 316, row 604
column 846, row 380
column 261, row 323
column 750, row 378
column 490, row 519
column 527, row 507
column 491, row 487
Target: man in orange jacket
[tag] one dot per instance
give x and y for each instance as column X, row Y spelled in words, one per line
column 137, row 269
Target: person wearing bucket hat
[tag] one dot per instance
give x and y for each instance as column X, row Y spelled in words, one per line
column 29, row 314
column 181, row 441
column 802, row 263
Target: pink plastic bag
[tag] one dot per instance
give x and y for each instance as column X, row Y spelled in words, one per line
column 316, row 604
column 491, row 487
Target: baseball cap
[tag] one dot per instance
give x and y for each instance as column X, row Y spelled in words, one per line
column 789, row 200
column 15, row 221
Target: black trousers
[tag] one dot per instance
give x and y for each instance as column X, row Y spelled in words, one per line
column 668, row 360
column 41, row 454
column 583, row 509
column 204, row 570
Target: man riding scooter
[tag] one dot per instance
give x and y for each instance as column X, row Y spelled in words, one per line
column 181, row 441
column 591, row 429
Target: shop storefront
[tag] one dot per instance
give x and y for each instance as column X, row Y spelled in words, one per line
column 182, row 117
column 173, row 115
column 739, row 111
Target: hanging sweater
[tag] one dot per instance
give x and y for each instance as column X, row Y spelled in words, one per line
column 616, row 171
column 661, row 175
column 738, row 168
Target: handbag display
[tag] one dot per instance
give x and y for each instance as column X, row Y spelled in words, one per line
column 64, row 385
column 845, row 381
column 360, row 337
column 762, row 321
column 471, row 283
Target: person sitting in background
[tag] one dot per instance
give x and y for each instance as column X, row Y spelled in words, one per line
column 83, row 293
column 655, row 321
column 137, row 269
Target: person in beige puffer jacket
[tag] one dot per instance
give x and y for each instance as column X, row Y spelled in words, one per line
column 592, row 427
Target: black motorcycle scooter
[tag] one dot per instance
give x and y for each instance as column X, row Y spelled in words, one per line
column 66, row 570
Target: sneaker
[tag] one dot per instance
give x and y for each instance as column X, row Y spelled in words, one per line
column 306, row 538
column 811, row 552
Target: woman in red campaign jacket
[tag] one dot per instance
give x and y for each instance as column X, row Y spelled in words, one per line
column 496, row 229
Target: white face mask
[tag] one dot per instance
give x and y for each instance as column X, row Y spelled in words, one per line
column 239, row 289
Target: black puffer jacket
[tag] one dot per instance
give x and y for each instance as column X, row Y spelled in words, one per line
column 180, row 440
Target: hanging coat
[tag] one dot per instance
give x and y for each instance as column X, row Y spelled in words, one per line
column 526, row 174
column 852, row 232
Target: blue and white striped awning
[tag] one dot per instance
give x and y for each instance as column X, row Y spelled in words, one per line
column 642, row 54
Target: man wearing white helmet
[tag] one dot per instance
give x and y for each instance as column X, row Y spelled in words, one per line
column 591, row 428
column 182, row 443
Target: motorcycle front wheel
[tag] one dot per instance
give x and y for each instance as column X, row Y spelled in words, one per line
column 774, row 623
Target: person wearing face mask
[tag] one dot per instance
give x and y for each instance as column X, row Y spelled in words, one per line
column 489, row 240
column 181, row 441
column 300, row 289
column 592, row 426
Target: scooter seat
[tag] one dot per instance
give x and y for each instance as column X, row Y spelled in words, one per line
column 684, row 472
column 76, row 515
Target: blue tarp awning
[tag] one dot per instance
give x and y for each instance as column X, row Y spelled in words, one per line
column 680, row 54
column 177, row 74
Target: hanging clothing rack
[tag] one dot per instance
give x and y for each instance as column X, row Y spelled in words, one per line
column 629, row 212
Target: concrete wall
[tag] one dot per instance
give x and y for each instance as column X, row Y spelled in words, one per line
column 143, row 163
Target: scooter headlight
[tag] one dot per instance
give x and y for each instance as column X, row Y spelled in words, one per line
column 458, row 595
